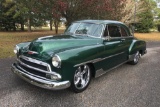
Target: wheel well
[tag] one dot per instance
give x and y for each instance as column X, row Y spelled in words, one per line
column 92, row 69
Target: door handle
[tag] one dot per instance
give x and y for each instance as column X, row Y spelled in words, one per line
column 123, row 39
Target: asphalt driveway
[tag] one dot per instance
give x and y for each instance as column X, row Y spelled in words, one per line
column 125, row 86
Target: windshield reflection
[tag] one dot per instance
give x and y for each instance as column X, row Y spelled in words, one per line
column 89, row 29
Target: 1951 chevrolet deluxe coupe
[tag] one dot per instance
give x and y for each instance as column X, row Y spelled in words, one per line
column 88, row 48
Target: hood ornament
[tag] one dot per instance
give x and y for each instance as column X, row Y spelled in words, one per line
column 32, row 52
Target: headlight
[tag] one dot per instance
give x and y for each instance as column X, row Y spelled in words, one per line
column 16, row 49
column 56, row 61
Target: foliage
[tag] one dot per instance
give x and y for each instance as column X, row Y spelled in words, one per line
column 50, row 13
column 8, row 19
column 37, row 12
column 146, row 18
column 92, row 9
column 132, row 8
column 156, row 14
column 26, row 9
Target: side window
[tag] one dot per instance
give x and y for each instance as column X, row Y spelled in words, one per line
column 106, row 32
column 114, row 31
column 123, row 32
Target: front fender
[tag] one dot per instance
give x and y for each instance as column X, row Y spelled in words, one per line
column 70, row 58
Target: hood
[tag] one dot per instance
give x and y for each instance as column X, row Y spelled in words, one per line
column 55, row 44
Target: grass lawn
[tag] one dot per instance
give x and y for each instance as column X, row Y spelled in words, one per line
column 154, row 36
column 9, row 39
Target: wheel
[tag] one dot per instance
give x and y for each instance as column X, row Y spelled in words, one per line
column 136, row 58
column 81, row 79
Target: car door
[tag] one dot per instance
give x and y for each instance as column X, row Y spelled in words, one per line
column 127, row 38
column 115, row 52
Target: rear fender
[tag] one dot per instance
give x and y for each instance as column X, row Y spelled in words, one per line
column 137, row 45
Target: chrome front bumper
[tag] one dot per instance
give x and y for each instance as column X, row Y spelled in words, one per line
column 38, row 81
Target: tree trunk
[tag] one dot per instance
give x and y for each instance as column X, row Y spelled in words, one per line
column 56, row 30
column 56, row 23
column 158, row 26
column 14, row 26
column 29, row 25
column 69, row 21
column 51, row 22
column 22, row 26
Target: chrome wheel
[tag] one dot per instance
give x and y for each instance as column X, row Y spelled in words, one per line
column 82, row 77
column 136, row 57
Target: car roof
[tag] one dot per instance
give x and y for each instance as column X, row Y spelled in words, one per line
column 100, row 21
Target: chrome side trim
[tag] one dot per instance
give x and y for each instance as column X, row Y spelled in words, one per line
column 40, row 82
column 100, row 73
column 97, row 60
column 113, row 55
column 84, row 63
column 44, row 37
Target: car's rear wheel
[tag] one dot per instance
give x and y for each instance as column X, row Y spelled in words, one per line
column 136, row 58
column 81, row 79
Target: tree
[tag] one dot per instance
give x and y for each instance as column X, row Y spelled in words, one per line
column 113, row 10
column 156, row 14
column 146, row 18
column 26, row 9
column 92, row 9
column 48, row 10
column 129, row 9
column 51, row 12
column 143, row 18
column 7, row 15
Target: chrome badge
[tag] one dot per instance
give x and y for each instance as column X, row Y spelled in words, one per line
column 32, row 52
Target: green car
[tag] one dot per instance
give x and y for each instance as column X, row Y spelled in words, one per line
column 86, row 50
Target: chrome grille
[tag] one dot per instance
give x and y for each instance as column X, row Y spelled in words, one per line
column 32, row 71
column 34, row 64
column 36, row 67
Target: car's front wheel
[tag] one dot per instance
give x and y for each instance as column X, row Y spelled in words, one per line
column 81, row 79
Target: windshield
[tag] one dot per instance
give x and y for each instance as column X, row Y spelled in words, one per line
column 89, row 29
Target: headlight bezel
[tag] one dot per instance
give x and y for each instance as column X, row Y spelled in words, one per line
column 16, row 49
column 56, row 61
